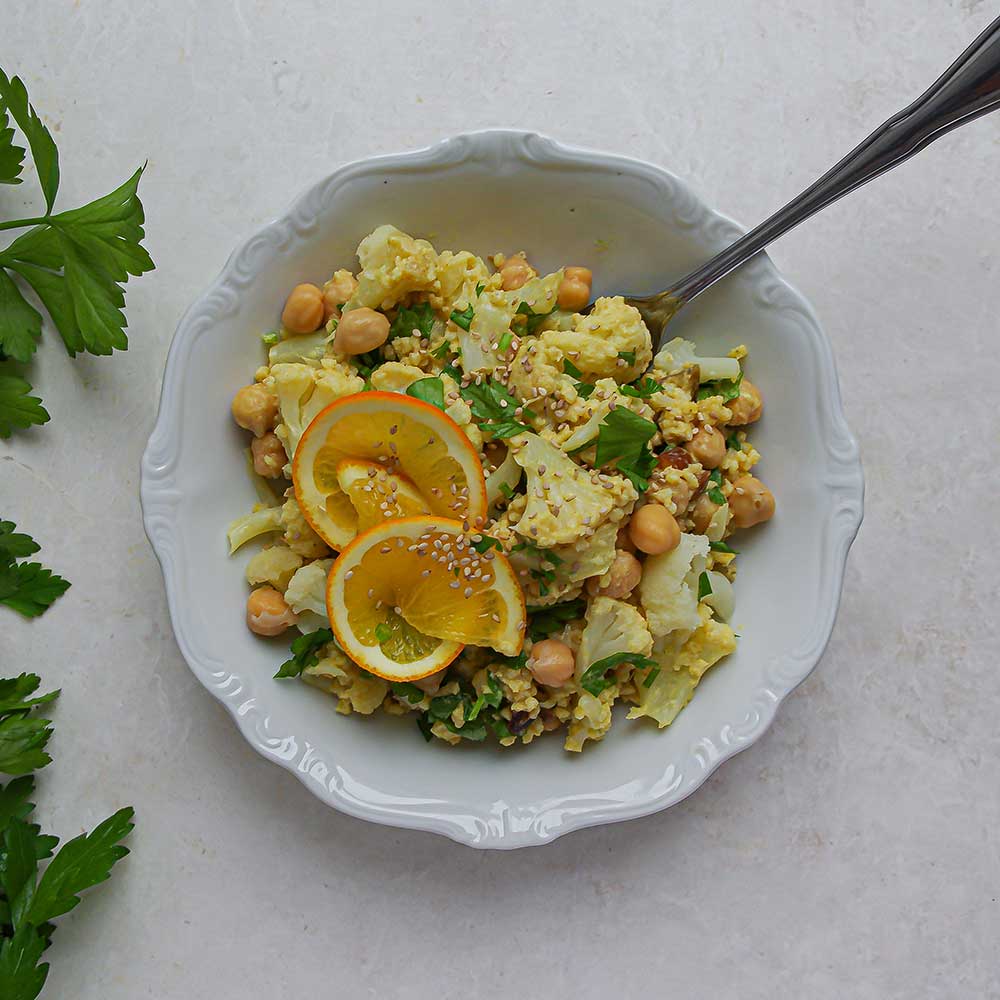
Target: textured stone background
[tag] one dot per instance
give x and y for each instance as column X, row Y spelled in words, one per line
column 853, row 851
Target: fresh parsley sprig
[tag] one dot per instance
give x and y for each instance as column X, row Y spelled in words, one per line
column 416, row 319
column 622, row 438
column 493, row 406
column 75, row 262
column 26, row 587
column 430, row 390
column 594, row 678
column 305, row 652
column 543, row 622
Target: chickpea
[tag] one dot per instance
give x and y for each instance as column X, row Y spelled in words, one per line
column 338, row 290
column 623, row 540
column 574, row 289
column 268, row 455
column 702, row 513
column 751, row 502
column 255, row 409
column 626, row 571
column 654, row 530
column 748, row 406
column 361, row 330
column 267, row 612
column 303, row 310
column 551, row 662
column 708, row 446
column 515, row 272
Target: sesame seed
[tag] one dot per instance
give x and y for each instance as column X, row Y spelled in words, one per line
column 454, row 585
column 495, row 618
column 468, row 592
column 349, row 574
column 425, row 572
column 371, row 591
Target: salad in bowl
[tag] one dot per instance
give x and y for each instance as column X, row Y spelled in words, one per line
column 486, row 503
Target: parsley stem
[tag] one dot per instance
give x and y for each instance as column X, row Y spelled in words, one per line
column 24, row 223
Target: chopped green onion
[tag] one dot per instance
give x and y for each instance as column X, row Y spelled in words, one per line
column 594, row 680
column 271, row 337
column 382, row 632
column 722, row 547
column 463, row 318
column 506, row 491
column 627, row 356
column 650, row 677
column 505, row 341
column 704, row 586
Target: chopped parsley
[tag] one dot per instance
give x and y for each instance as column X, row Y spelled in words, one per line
column 727, row 388
column 570, row 369
column 479, row 289
column 641, row 389
column 544, row 621
column 404, row 689
column 650, row 677
column 733, row 443
column 452, row 372
column 493, row 406
column 714, row 491
column 594, row 679
column 463, row 318
column 367, row 363
column 382, row 632
column 627, row 356
column 535, row 319
column 488, row 541
column 413, row 320
column 305, row 652
column 271, row 337
column 622, row 438
column 506, row 491
column 430, row 390
column 491, row 695
column 722, row 547
column 704, row 586
column 583, row 389
column 442, row 350
column 505, row 341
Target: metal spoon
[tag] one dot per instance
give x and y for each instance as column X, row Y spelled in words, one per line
column 969, row 88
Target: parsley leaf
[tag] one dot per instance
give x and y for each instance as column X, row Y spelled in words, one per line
column 382, row 632
column 585, row 389
column 17, row 408
column 505, row 341
column 493, row 406
column 704, row 586
column 270, row 338
column 30, row 588
column 442, row 351
column 404, row 689
column 20, row 973
column 14, row 546
column 714, row 491
column 43, row 149
column 622, row 436
column 305, row 652
column 487, row 542
column 594, row 680
column 727, row 388
column 534, row 320
column 570, row 369
column 417, row 319
column 463, row 318
column 430, row 390
column 79, row 864
column 627, row 356
column 491, row 695
column 507, row 491
column 452, row 372
column 11, row 155
column 545, row 621
column 733, row 443
column 721, row 547
column 20, row 323
column 14, row 692
column 640, row 389
column 22, row 743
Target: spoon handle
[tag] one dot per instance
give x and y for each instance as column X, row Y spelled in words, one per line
column 969, row 88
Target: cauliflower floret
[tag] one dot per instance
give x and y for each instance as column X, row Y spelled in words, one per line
column 551, row 575
column 356, row 690
column 678, row 353
column 304, row 390
column 307, row 349
column 597, row 343
column 565, row 502
column 604, row 398
column 299, row 535
column 274, row 565
column 612, row 627
column 394, row 376
column 458, row 276
column 307, row 588
column 680, row 672
column 260, row 521
column 591, row 718
column 668, row 590
column 393, row 264
column 674, row 412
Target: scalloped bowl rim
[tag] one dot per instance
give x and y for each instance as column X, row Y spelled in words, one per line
column 495, row 831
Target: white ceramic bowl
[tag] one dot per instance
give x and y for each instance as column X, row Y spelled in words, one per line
column 637, row 226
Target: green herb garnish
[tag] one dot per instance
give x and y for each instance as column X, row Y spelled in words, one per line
column 733, row 443
column 305, row 652
column 505, row 341
column 442, row 350
column 594, row 680
column 727, row 388
column 26, row 587
column 430, row 390
column 488, row 542
column 424, row 725
column 506, row 491
column 650, row 677
column 535, row 319
column 491, row 695
column 622, row 438
column 704, row 586
column 75, row 262
column 404, row 689
column 570, row 369
column 714, row 492
column 452, row 372
column 493, row 406
column 463, row 318
column 479, row 289
column 544, row 621
column 641, row 389
column 382, row 632
column 627, row 356
column 722, row 547
column 271, row 337
column 416, row 320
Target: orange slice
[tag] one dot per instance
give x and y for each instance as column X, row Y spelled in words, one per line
column 405, row 436
column 405, row 596
column 378, row 494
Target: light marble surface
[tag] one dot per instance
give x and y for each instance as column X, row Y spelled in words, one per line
column 853, row 851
